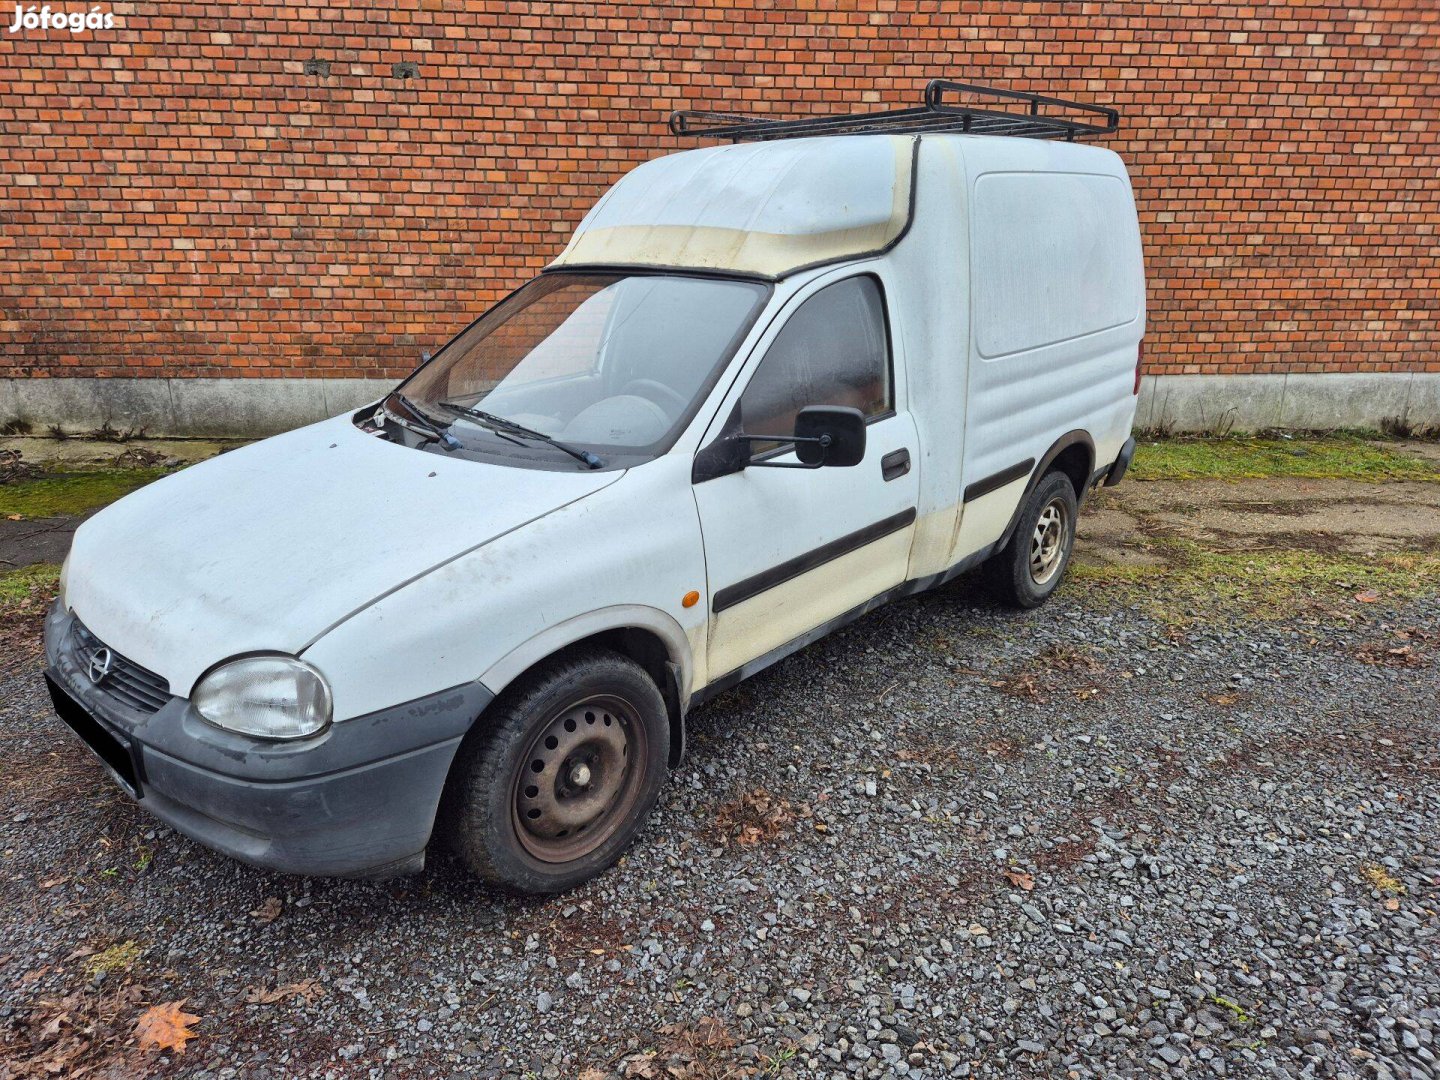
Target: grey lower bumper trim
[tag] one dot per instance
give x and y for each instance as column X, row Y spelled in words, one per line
column 358, row 801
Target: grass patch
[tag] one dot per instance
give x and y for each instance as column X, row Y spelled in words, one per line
column 72, row 494
column 28, row 590
column 1336, row 457
column 1195, row 581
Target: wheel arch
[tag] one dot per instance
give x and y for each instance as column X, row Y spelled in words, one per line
column 648, row 636
column 1073, row 454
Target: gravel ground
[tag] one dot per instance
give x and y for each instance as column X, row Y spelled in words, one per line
column 948, row 841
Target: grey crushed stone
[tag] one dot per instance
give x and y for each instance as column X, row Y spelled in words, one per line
column 1198, row 903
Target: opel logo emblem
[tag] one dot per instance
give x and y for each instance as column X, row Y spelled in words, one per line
column 101, row 661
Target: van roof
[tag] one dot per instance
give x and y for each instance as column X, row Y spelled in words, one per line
column 765, row 208
column 768, row 209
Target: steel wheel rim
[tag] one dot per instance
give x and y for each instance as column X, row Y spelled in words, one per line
column 1047, row 541
column 579, row 780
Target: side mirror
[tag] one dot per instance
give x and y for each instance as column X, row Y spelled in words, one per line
column 825, row 435
column 830, row 435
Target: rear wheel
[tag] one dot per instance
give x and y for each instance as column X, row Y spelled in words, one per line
column 560, row 775
column 1029, row 568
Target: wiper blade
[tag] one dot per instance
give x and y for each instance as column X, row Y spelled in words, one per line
column 500, row 425
column 422, row 424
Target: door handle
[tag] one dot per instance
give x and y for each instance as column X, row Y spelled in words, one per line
column 895, row 464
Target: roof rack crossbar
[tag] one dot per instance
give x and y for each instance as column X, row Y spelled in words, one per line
column 936, row 114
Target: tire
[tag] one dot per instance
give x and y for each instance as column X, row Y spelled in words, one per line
column 560, row 773
column 1029, row 568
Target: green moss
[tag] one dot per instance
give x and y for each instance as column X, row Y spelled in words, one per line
column 1340, row 457
column 1194, row 581
column 116, row 958
column 72, row 494
column 1237, row 1013
column 27, row 590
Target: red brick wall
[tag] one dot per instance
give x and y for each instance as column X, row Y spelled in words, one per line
column 180, row 197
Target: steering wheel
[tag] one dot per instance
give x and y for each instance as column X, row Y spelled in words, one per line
column 666, row 397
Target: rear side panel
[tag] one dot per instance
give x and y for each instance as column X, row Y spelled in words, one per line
column 1057, row 312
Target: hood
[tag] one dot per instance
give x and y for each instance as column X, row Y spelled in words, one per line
column 265, row 548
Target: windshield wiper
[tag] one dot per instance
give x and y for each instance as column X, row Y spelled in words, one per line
column 422, row 424
column 500, row 425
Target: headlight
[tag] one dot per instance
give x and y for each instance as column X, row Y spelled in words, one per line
column 64, row 577
column 269, row 697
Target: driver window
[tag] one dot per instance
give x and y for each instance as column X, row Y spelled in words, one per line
column 834, row 350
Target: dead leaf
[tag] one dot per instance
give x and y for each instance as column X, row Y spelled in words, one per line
column 308, row 989
column 1368, row 596
column 1025, row 685
column 165, row 1027
column 269, row 911
column 759, row 816
column 642, row 1066
column 1380, row 654
column 1067, row 658
column 1020, row 879
column 1222, row 698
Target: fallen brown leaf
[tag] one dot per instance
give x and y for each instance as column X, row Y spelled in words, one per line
column 165, row 1027
column 269, row 911
column 1020, row 879
column 1022, row 686
column 1380, row 654
column 308, row 989
column 758, row 816
column 1368, row 596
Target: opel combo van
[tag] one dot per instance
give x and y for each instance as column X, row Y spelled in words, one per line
column 767, row 387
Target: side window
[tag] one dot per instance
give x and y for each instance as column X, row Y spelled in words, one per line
column 834, row 350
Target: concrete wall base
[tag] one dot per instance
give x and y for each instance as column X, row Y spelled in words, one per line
column 248, row 408
column 1222, row 403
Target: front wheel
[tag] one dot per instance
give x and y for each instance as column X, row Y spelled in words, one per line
column 1029, row 568
column 560, row 775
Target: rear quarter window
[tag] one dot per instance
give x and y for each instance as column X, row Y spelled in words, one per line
column 1055, row 256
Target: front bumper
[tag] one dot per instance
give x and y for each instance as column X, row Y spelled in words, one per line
column 359, row 800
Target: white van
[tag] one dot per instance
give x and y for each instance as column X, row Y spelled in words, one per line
column 489, row 599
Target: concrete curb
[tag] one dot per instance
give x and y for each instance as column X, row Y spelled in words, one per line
column 250, row 408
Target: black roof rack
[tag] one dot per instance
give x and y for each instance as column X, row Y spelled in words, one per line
column 941, row 112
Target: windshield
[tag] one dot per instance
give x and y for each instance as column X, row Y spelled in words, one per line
column 610, row 363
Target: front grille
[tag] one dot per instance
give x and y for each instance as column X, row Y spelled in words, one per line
column 128, row 683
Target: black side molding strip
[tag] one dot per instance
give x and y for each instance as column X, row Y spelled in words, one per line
column 780, row 652
column 994, row 483
column 792, row 568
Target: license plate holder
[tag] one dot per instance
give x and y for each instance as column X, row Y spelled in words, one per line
column 116, row 754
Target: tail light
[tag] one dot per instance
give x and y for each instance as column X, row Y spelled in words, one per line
column 1139, row 364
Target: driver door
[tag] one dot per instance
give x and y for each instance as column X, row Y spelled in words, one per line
column 789, row 550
